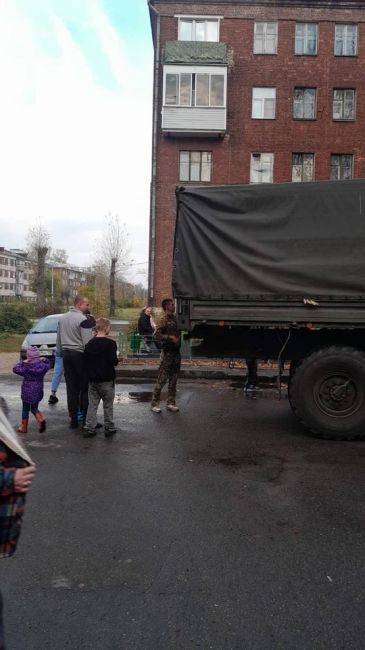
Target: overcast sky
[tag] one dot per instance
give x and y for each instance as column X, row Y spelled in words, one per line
column 75, row 127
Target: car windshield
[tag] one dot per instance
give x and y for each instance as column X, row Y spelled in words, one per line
column 45, row 325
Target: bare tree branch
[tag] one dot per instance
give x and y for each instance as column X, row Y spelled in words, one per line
column 38, row 240
column 114, row 250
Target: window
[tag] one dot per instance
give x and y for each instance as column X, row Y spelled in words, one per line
column 341, row 166
column 304, row 106
column 261, row 167
column 346, row 40
column 343, row 104
column 195, row 166
column 306, row 38
column 265, row 38
column 201, row 29
column 302, row 167
column 263, row 103
column 198, row 89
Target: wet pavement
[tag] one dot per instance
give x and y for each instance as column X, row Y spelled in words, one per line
column 223, row 526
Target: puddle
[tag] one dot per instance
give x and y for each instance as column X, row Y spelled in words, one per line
column 121, row 398
column 44, row 444
column 236, row 461
column 269, row 391
column 137, row 396
column 261, row 467
column 141, row 395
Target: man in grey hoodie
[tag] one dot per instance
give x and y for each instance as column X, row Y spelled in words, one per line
column 74, row 331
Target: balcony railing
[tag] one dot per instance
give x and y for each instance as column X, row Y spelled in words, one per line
column 192, row 120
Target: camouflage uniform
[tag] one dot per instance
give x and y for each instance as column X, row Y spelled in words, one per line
column 170, row 359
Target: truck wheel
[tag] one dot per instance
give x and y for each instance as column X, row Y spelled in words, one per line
column 327, row 393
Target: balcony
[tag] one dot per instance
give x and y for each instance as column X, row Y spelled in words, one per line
column 194, row 99
column 193, row 121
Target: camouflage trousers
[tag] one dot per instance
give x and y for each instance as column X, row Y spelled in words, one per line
column 168, row 370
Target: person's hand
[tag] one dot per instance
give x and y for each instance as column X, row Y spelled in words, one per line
column 175, row 339
column 23, row 478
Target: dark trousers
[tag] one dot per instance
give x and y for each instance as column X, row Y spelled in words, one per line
column 2, row 640
column 76, row 382
column 251, row 371
column 29, row 407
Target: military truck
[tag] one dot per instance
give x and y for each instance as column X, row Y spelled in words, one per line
column 278, row 272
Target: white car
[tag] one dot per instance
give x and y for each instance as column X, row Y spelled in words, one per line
column 43, row 335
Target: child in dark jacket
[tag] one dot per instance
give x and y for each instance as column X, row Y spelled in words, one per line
column 32, row 370
column 101, row 358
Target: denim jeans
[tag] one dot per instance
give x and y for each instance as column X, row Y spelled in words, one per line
column 27, row 408
column 57, row 373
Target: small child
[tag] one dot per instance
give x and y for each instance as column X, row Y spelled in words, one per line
column 101, row 358
column 32, row 370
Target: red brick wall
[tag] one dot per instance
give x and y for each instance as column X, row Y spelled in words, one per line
column 281, row 136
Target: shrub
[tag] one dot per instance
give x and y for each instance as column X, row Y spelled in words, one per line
column 15, row 318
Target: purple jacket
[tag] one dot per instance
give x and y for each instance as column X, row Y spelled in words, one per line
column 32, row 373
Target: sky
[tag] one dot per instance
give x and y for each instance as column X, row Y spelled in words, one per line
column 75, row 123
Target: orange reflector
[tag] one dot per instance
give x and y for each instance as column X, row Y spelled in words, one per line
column 221, row 323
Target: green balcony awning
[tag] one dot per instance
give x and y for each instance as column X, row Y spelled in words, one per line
column 195, row 53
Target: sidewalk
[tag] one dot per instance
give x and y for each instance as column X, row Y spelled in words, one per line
column 145, row 370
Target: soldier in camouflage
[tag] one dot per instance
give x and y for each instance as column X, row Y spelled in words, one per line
column 168, row 336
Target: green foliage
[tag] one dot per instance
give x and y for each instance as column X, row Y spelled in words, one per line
column 10, row 342
column 16, row 317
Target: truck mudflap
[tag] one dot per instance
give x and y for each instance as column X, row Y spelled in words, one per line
column 327, row 392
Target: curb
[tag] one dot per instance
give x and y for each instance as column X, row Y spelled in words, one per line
column 143, row 374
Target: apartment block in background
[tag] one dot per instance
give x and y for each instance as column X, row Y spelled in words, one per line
column 16, row 273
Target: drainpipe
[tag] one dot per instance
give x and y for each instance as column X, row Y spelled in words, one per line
column 152, row 251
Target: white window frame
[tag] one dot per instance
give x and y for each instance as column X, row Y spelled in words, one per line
column 340, row 167
column 255, row 156
column 302, row 165
column 194, row 19
column 209, row 163
column 195, row 70
column 265, row 37
column 342, row 103
column 305, row 53
column 344, row 39
column 260, row 99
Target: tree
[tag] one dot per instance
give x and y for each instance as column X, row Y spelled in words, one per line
column 58, row 255
column 38, row 240
column 114, row 250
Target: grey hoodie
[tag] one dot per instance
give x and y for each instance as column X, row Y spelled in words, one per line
column 74, row 331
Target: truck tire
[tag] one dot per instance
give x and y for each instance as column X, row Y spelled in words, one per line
column 327, row 393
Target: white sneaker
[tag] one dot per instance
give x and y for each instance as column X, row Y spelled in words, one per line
column 173, row 408
column 156, row 409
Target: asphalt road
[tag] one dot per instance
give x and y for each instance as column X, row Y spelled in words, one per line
column 223, row 526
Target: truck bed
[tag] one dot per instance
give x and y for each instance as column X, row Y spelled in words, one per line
column 265, row 312
column 264, row 253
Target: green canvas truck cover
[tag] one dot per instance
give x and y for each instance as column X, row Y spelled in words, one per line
column 276, row 240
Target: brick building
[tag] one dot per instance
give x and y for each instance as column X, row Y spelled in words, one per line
column 265, row 91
